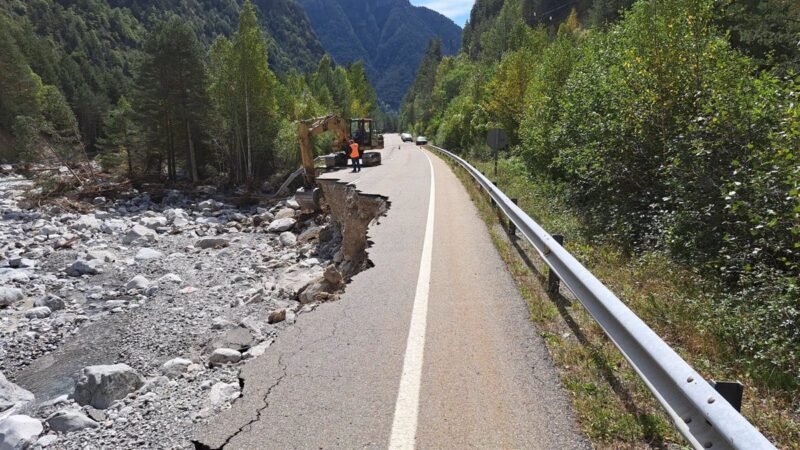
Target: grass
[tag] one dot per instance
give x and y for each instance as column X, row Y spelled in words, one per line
column 613, row 407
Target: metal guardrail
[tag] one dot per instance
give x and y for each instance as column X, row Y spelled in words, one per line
column 698, row 411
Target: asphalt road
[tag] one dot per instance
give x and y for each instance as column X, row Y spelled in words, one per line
column 431, row 348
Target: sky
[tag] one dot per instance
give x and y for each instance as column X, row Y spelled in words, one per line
column 458, row 10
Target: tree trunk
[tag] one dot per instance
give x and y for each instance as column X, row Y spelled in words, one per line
column 192, row 160
column 249, row 162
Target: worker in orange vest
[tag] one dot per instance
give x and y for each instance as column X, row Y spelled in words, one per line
column 355, row 156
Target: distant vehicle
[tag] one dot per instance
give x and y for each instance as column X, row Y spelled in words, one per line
column 422, row 140
column 406, row 137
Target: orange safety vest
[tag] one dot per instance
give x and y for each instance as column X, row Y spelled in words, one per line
column 354, row 150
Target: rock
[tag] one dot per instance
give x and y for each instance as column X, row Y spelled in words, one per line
column 170, row 278
column 66, row 421
column 288, row 239
column 138, row 282
column 175, row 367
column 281, row 225
column 210, row 205
column 100, row 386
column 52, row 301
column 113, row 226
column 84, row 267
column 222, row 393
column 47, row 440
column 277, row 316
column 21, row 263
column 285, row 213
column 258, row 350
column 332, row 275
column 223, row 356
column 292, row 203
column 19, row 432
column 219, row 323
column 212, row 243
column 309, row 234
column 8, row 275
column 86, row 222
column 140, row 233
column 14, row 399
column 39, row 312
column 99, row 201
column 237, row 338
column 9, row 295
column 154, row 222
column 147, row 254
column 101, row 255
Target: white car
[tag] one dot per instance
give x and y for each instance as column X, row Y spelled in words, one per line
column 406, row 137
column 422, row 140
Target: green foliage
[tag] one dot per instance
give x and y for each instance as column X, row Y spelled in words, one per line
column 660, row 132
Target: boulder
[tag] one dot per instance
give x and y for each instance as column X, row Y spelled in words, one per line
column 284, row 213
column 309, row 234
column 113, row 226
column 212, row 243
column 47, row 440
column 154, row 222
column 19, row 432
column 86, row 222
column 100, row 386
column 281, row 225
column 292, row 203
column 170, row 278
column 222, row 393
column 277, row 316
column 147, row 254
column 138, row 282
column 175, row 367
column 14, row 399
column 140, row 233
column 85, row 267
column 21, row 263
column 237, row 338
column 52, row 301
column 8, row 275
column 9, row 295
column 222, row 356
column 65, row 421
column 39, row 312
column 288, row 239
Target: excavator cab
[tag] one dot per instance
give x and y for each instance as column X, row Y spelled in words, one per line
column 362, row 132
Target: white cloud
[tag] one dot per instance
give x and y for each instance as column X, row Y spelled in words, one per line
column 450, row 8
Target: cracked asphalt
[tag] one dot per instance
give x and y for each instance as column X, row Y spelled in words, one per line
column 331, row 381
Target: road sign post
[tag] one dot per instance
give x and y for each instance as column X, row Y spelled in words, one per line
column 497, row 139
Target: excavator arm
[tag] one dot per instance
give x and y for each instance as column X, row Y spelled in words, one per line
column 313, row 127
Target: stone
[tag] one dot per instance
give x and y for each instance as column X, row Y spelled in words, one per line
column 309, row 235
column 281, row 225
column 85, row 267
column 285, row 213
column 237, row 338
column 100, row 386
column 19, row 432
column 86, row 222
column 9, row 295
column 170, row 278
column 206, row 243
column 288, row 239
column 140, row 233
column 101, row 255
column 154, row 222
column 8, row 275
column 292, row 203
column 222, row 356
column 222, row 393
column 148, row 254
column 39, row 312
column 175, row 367
column 332, row 275
column 47, row 440
column 219, row 323
column 21, row 263
column 277, row 316
column 138, row 282
column 113, row 226
column 66, row 421
column 257, row 350
column 14, row 399
column 99, row 201
column 52, row 301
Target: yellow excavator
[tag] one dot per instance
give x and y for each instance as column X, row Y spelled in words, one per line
column 309, row 196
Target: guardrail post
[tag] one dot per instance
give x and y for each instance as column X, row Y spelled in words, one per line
column 512, row 229
column 553, row 282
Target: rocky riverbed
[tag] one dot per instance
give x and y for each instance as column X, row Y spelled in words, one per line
column 124, row 325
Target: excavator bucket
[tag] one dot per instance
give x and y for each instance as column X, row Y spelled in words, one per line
column 309, row 199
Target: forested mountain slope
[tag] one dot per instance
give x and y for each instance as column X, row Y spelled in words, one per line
column 390, row 36
column 88, row 48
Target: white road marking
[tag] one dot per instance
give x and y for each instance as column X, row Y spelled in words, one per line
column 355, row 181
column 406, row 411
